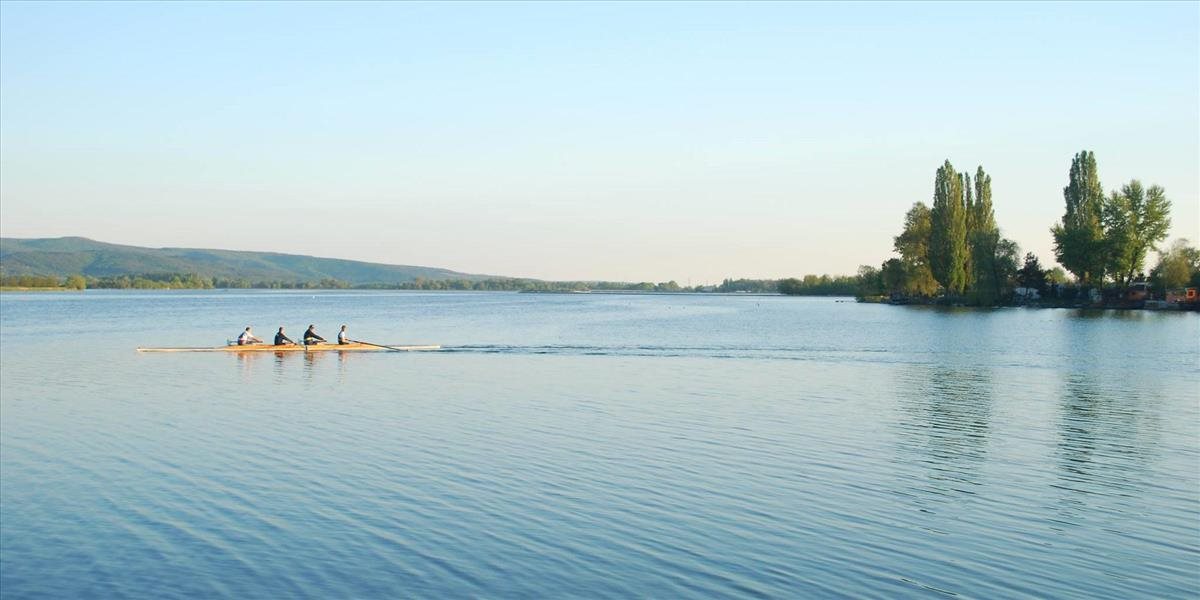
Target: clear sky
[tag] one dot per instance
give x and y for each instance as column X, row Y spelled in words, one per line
column 624, row 141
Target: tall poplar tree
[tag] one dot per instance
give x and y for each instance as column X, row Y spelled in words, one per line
column 982, row 237
column 984, row 217
column 969, row 228
column 969, row 203
column 947, row 236
column 1079, row 242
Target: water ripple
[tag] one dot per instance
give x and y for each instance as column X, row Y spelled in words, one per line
column 599, row 447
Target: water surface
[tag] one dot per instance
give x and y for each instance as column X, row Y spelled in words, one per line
column 597, row 446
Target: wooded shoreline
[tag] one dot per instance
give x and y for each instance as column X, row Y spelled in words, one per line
column 950, row 253
column 953, row 253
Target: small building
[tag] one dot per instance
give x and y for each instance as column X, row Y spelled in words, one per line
column 1182, row 296
column 1027, row 294
column 1138, row 291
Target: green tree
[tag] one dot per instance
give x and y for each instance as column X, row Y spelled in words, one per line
column 1135, row 220
column 1079, row 243
column 968, row 208
column 1178, row 267
column 813, row 285
column 790, row 286
column 981, row 225
column 913, row 247
column 947, row 236
column 869, row 282
column 76, row 282
column 893, row 276
column 1006, row 263
column 984, row 218
column 1032, row 275
column 31, row 281
column 996, row 263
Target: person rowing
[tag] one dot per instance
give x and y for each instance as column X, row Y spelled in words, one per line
column 281, row 339
column 247, row 337
column 311, row 337
column 343, row 337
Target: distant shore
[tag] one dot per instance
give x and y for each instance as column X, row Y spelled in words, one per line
column 1152, row 305
column 12, row 288
column 654, row 293
column 552, row 292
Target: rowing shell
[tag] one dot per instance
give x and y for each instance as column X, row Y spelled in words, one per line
column 291, row 348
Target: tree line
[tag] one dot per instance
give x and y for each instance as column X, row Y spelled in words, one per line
column 953, row 251
column 72, row 282
column 159, row 281
column 820, row 285
column 1106, row 238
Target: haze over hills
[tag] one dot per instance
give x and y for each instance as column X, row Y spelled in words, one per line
column 77, row 255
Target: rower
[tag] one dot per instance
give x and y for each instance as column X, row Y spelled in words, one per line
column 311, row 337
column 281, row 339
column 247, row 337
column 343, row 337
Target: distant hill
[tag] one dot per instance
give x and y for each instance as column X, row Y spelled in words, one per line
column 77, row 255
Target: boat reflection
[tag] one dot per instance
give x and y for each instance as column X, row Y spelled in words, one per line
column 247, row 361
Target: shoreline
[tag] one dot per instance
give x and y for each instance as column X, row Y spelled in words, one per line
column 550, row 292
column 37, row 289
column 1151, row 305
column 653, row 293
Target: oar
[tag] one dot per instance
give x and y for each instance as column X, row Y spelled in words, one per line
column 379, row 346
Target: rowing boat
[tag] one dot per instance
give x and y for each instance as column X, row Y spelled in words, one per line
column 356, row 347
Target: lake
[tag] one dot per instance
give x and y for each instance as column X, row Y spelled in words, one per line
column 595, row 446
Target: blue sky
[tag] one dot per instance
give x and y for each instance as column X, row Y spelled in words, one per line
column 628, row 141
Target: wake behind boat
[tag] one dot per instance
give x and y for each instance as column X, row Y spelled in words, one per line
column 351, row 347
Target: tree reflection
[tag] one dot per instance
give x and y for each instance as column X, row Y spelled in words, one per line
column 1102, row 450
column 944, row 428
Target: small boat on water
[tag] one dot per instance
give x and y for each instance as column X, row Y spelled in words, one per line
column 354, row 347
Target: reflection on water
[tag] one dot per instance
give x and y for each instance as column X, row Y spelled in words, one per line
column 944, row 426
column 592, row 446
column 282, row 362
column 1108, row 313
column 1106, row 439
column 249, row 362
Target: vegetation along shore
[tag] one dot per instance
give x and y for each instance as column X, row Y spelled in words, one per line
column 952, row 253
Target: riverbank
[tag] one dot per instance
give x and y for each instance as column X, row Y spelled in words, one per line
column 360, row 289
column 1138, row 305
column 653, row 293
column 17, row 288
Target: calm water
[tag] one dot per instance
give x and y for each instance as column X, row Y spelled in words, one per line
column 596, row 446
